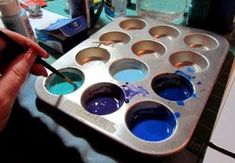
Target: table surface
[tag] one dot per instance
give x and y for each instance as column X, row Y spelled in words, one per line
column 37, row 132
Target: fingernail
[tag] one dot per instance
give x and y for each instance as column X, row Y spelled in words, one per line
column 44, row 73
column 30, row 56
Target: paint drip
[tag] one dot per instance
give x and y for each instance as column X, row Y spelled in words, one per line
column 132, row 90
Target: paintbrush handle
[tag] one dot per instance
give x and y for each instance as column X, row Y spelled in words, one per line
column 49, row 67
column 52, row 69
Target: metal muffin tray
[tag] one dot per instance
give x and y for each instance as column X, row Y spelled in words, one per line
column 142, row 82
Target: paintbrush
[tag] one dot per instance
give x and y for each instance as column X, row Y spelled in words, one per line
column 15, row 49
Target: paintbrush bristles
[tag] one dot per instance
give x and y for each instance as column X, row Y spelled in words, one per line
column 68, row 80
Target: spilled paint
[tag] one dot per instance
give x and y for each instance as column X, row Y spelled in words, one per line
column 199, row 83
column 180, row 103
column 188, row 76
column 177, row 114
column 190, row 70
column 132, row 90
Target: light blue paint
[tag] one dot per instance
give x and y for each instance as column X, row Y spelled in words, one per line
column 60, row 87
column 190, row 70
column 130, row 75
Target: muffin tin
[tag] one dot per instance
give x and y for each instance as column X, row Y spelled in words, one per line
column 142, row 82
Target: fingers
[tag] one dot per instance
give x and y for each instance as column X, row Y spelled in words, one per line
column 27, row 43
column 38, row 69
column 15, row 74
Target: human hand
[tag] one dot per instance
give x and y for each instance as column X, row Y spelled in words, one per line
column 14, row 73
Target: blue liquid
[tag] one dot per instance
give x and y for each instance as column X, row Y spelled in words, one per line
column 154, row 126
column 130, row 75
column 175, row 93
column 102, row 104
column 60, row 87
column 173, row 87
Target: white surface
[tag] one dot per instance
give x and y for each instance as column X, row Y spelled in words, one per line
column 213, row 156
column 41, row 22
column 46, row 19
column 223, row 134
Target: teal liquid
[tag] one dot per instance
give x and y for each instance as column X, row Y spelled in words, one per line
column 60, row 87
column 130, row 75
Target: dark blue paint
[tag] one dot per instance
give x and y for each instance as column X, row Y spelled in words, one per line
column 153, row 124
column 175, row 93
column 177, row 114
column 173, row 87
column 189, row 77
column 199, row 83
column 180, row 103
column 102, row 104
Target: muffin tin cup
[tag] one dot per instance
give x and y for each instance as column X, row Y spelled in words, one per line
column 103, row 99
column 132, row 24
column 128, row 70
column 58, row 86
column 149, row 87
column 151, row 121
column 92, row 55
column 164, row 32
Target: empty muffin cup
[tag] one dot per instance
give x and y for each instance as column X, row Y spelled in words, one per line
column 58, row 86
column 103, row 98
column 164, row 31
column 132, row 24
column 200, row 41
column 189, row 59
column 173, row 87
column 92, row 54
column 151, row 121
column 148, row 47
column 128, row 70
column 114, row 37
